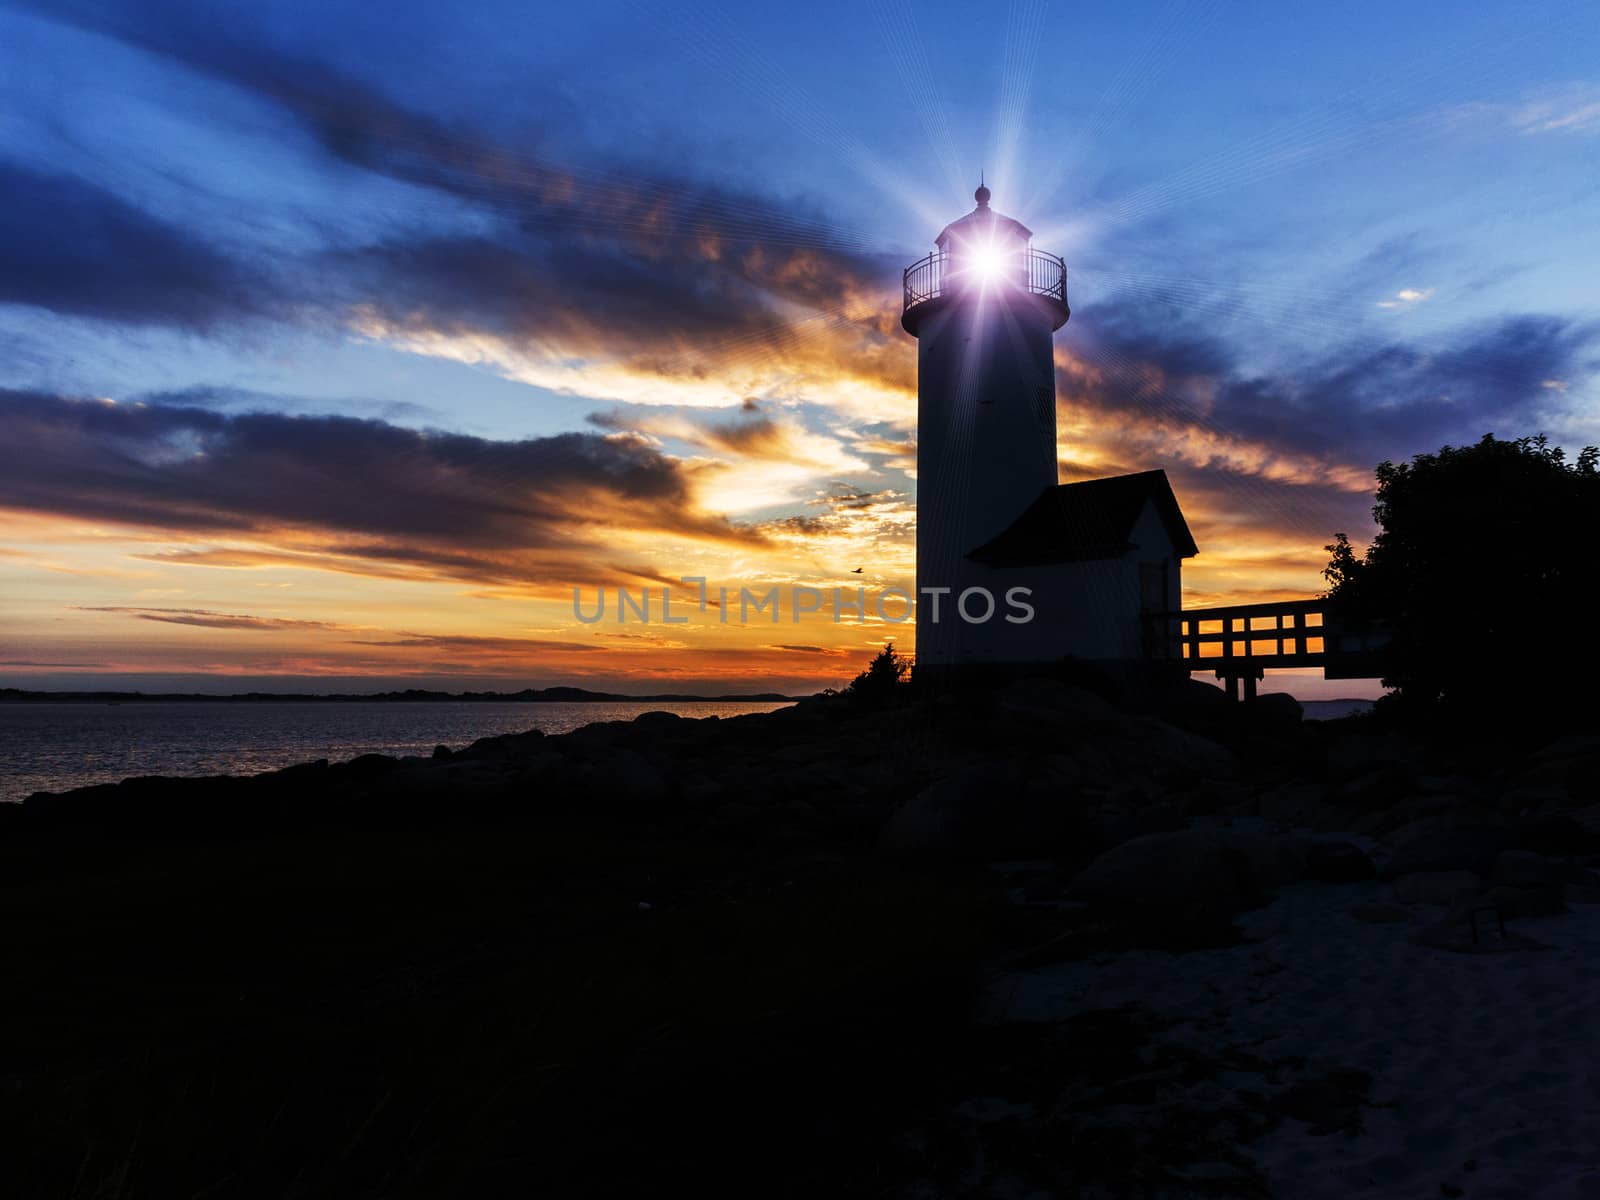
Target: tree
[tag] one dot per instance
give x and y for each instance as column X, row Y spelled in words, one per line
column 1484, row 568
column 879, row 684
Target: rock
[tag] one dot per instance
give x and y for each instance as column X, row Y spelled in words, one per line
column 1060, row 770
column 1042, row 889
column 1377, row 913
column 1401, row 831
column 1274, row 861
column 1457, row 937
column 1524, row 869
column 1156, row 741
column 984, row 812
column 1436, row 887
column 441, row 751
column 1216, row 869
column 1381, row 784
column 701, row 791
column 1352, row 755
column 938, row 822
column 1196, row 705
column 1472, row 849
column 1214, row 1173
column 505, row 745
column 1290, row 804
column 365, row 766
column 1056, row 699
column 1558, row 834
column 1581, row 892
column 1337, row 862
column 1537, row 801
column 1540, row 901
column 627, row 776
column 1275, row 710
column 736, row 813
column 656, row 718
column 1573, row 745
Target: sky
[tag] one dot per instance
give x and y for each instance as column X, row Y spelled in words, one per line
column 341, row 342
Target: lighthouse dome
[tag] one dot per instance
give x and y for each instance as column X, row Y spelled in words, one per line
column 983, row 225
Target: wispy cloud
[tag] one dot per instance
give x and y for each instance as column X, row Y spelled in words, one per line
column 1406, row 298
column 1570, row 109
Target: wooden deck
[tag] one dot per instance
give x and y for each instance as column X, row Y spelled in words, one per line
column 1240, row 641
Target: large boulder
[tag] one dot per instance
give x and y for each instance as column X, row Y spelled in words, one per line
column 622, row 776
column 1573, row 745
column 1195, row 704
column 1351, row 755
column 1559, row 834
column 1379, row 785
column 1447, row 850
column 1338, row 862
column 1544, row 900
column 1054, row 700
column 1525, row 869
column 1159, row 743
column 983, row 812
column 1437, row 887
column 1274, row 711
column 1217, row 870
column 1537, row 800
column 1397, row 829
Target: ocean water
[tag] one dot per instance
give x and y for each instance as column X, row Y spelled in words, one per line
column 52, row 747
column 1332, row 710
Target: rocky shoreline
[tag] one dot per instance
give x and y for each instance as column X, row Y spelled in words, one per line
column 824, row 947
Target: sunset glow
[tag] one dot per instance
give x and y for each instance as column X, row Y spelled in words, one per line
column 347, row 376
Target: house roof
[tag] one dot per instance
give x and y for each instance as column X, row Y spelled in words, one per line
column 1073, row 522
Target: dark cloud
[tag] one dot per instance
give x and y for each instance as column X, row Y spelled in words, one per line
column 72, row 247
column 602, row 252
column 1350, row 405
column 457, row 506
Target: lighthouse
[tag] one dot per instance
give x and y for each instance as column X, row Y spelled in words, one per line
column 984, row 308
column 1015, row 570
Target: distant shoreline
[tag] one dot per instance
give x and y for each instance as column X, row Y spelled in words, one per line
column 555, row 695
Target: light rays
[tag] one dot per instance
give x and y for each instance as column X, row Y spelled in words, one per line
column 903, row 39
column 1024, row 30
column 1179, row 24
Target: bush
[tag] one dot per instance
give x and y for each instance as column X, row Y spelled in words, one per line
column 879, row 685
column 1484, row 569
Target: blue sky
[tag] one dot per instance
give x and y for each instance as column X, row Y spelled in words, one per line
column 1301, row 240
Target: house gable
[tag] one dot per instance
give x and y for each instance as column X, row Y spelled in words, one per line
column 1088, row 521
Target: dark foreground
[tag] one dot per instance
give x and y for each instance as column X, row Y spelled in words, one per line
column 743, row 956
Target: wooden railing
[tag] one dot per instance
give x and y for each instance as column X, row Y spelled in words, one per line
column 1242, row 640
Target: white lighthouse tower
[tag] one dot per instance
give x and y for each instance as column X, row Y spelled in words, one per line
column 984, row 308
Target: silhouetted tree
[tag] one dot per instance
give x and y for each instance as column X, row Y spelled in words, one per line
column 879, row 685
column 1484, row 566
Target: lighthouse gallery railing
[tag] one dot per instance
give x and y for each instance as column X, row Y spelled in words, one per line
column 927, row 278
